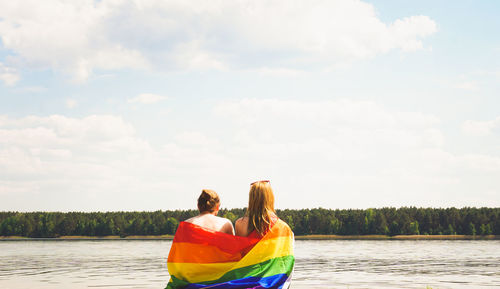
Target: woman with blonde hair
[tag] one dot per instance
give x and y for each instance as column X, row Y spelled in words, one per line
column 260, row 215
column 208, row 205
column 260, row 257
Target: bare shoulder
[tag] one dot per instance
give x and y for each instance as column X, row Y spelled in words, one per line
column 222, row 220
column 242, row 221
column 241, row 226
column 190, row 220
column 228, row 227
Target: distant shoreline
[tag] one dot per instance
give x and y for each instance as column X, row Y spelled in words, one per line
column 302, row 237
column 80, row 238
column 397, row 237
column 353, row 222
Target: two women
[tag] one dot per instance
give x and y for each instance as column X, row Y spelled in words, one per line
column 259, row 218
column 206, row 254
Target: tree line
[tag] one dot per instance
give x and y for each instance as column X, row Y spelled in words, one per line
column 383, row 221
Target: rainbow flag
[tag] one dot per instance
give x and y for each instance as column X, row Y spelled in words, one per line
column 201, row 258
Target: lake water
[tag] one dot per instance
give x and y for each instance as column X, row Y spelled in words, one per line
column 319, row 264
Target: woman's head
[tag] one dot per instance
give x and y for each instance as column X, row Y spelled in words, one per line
column 208, row 201
column 260, row 206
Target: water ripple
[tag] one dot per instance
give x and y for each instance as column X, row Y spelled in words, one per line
column 319, row 264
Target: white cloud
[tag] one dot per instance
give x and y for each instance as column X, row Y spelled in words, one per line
column 341, row 113
column 71, row 103
column 196, row 139
column 46, row 162
column 328, row 130
column 78, row 37
column 467, row 85
column 30, row 89
column 344, row 153
column 65, row 36
column 481, row 128
column 279, row 72
column 147, row 98
column 407, row 31
column 316, row 153
column 98, row 163
column 8, row 75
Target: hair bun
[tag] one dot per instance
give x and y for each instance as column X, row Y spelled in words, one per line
column 208, row 200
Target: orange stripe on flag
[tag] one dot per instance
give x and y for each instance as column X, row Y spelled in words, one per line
column 199, row 253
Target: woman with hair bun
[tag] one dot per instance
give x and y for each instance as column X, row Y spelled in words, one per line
column 208, row 205
column 260, row 256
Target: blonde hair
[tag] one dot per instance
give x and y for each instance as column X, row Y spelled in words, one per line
column 208, row 200
column 260, row 207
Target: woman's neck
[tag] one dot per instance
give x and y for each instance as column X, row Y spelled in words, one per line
column 209, row 213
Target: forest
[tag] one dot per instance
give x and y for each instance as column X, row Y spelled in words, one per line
column 381, row 221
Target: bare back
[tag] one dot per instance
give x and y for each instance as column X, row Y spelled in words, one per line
column 241, row 225
column 212, row 222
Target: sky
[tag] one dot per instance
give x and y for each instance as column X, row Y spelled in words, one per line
column 117, row 105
